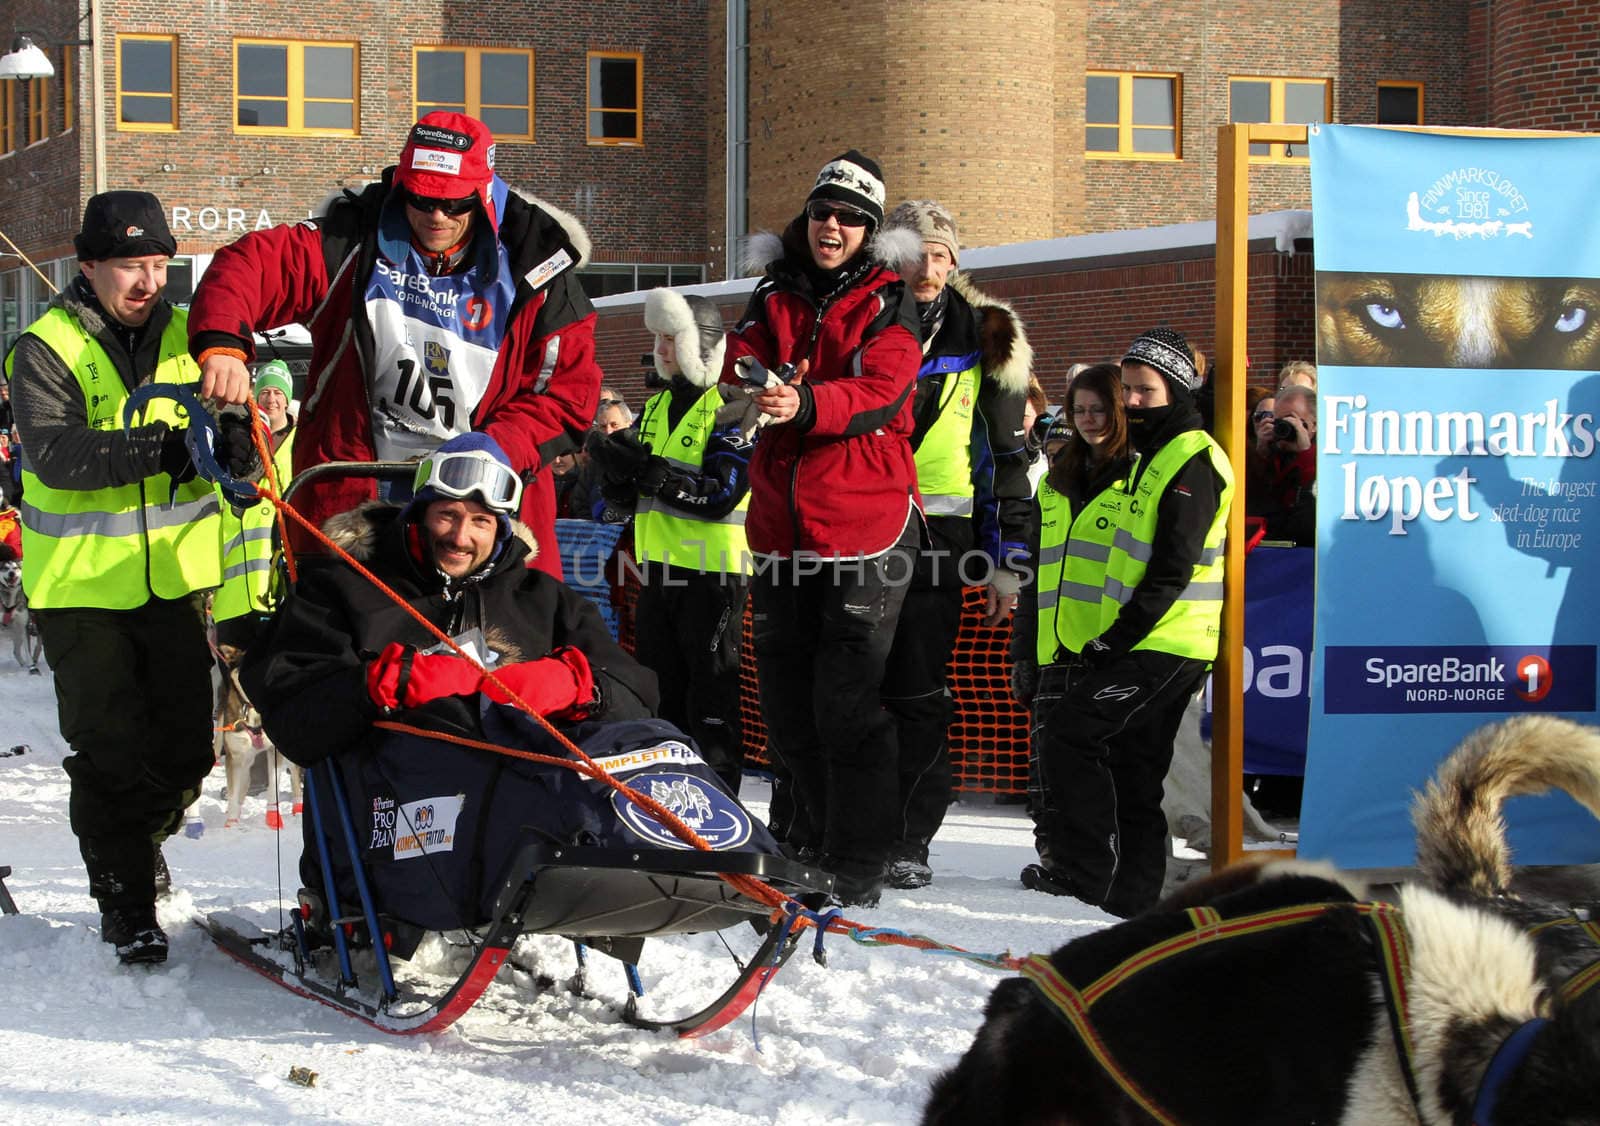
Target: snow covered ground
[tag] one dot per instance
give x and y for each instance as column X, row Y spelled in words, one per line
column 203, row 1039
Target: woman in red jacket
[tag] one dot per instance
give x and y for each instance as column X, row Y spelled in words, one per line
column 834, row 515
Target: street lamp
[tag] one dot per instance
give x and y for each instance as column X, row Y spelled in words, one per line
column 26, row 61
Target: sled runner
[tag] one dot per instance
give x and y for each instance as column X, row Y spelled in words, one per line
column 412, row 833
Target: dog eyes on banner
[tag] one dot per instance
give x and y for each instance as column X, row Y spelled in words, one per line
column 1413, row 320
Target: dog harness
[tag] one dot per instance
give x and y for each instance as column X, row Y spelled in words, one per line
column 1206, row 926
column 1580, row 982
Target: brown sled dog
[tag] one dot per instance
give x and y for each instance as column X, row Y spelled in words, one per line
column 1461, row 835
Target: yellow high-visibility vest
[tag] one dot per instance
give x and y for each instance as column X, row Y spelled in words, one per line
column 944, row 456
column 1114, row 535
column 667, row 535
column 247, row 549
column 113, row 548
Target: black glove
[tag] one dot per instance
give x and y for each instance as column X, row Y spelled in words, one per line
column 619, row 456
column 652, row 476
column 620, row 497
column 1024, row 681
column 1097, row 654
column 175, row 461
column 236, row 451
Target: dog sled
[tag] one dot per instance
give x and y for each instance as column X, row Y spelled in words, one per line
column 417, row 836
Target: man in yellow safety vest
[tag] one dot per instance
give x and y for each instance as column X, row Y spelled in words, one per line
column 120, row 541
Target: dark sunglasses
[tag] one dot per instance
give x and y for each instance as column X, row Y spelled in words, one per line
column 845, row 216
column 1259, row 415
column 426, row 204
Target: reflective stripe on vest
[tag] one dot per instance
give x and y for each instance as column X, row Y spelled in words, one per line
column 944, row 456
column 1073, row 552
column 247, row 550
column 662, row 534
column 113, row 548
column 1192, row 626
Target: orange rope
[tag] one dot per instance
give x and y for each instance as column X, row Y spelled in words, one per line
column 262, row 437
column 756, row 889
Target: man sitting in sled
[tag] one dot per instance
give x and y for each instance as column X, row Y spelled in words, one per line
column 437, row 823
column 342, row 653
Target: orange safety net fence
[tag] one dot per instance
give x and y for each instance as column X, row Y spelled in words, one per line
column 988, row 735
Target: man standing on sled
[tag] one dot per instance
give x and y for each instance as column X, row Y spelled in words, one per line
column 439, row 301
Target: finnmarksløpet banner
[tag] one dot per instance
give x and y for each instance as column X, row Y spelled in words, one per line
column 1458, row 527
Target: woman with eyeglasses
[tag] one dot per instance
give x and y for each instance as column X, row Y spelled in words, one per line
column 834, row 520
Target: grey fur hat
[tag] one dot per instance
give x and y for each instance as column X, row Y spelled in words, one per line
column 695, row 325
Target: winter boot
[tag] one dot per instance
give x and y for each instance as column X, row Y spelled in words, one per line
column 1039, row 878
column 135, row 933
column 908, row 868
column 163, row 875
column 855, row 884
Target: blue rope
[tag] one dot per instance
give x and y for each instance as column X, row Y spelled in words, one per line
column 870, row 936
column 791, row 916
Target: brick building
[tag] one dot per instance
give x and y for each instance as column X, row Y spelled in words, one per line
column 673, row 129
column 252, row 120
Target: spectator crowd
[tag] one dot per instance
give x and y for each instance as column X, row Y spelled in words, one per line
column 866, row 443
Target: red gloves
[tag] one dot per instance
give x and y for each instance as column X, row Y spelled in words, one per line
column 559, row 686
column 403, row 678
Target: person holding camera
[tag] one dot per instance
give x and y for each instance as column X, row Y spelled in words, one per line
column 1282, row 486
column 835, row 519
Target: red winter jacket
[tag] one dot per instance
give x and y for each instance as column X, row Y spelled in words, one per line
column 839, row 478
column 541, row 396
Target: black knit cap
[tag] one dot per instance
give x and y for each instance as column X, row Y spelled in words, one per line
column 123, row 224
column 1166, row 351
column 854, row 179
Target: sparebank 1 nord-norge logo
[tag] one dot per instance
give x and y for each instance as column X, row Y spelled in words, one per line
column 1470, row 202
column 1533, row 677
column 1418, row 679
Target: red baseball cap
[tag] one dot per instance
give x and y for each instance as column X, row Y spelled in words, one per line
column 448, row 156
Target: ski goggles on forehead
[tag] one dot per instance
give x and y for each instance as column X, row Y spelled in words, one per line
column 426, row 203
column 471, row 474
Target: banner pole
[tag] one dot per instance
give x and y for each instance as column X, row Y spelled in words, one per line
column 1227, row 691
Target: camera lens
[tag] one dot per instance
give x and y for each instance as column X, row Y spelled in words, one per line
column 1283, row 431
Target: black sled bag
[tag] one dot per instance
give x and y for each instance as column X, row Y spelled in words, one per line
column 438, row 825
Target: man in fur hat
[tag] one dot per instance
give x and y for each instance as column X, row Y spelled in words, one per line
column 972, row 472
column 439, row 302
column 685, row 476
column 834, row 511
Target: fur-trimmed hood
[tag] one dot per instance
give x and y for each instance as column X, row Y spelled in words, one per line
column 897, row 248
column 668, row 313
column 357, row 530
column 1007, row 356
